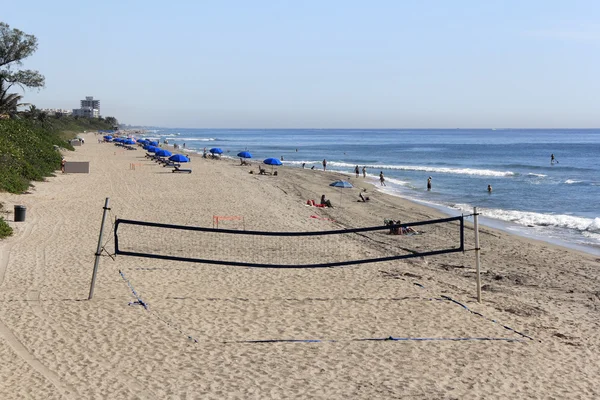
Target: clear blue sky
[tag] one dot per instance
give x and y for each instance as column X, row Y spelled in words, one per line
column 324, row 64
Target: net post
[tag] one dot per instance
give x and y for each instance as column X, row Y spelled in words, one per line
column 477, row 264
column 462, row 233
column 98, row 249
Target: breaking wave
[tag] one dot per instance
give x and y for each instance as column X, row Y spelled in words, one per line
column 441, row 170
column 526, row 218
column 189, row 139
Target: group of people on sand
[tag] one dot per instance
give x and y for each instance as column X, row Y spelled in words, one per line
column 395, row 229
column 324, row 202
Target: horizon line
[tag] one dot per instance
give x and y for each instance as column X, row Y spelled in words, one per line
column 381, row 129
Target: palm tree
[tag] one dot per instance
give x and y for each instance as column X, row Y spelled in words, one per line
column 33, row 112
column 9, row 102
column 42, row 117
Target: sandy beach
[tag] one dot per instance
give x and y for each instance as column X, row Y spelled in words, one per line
column 193, row 340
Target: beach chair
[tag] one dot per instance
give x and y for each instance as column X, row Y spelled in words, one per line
column 171, row 164
column 177, row 169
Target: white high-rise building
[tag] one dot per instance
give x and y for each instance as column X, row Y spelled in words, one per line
column 90, row 108
column 90, row 102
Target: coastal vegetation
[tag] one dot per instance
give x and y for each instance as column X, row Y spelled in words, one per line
column 5, row 229
column 28, row 152
column 30, row 138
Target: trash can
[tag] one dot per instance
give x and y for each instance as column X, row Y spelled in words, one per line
column 20, row 213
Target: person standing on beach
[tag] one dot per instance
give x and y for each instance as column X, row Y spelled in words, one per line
column 365, row 171
column 429, row 183
column 356, row 171
column 324, row 164
column 381, row 179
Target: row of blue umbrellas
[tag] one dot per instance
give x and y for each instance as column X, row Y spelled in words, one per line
column 120, row 140
column 181, row 158
column 150, row 146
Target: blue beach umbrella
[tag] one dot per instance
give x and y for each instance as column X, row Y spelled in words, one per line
column 342, row 185
column 272, row 162
column 244, row 154
column 129, row 141
column 108, row 137
column 153, row 143
column 151, row 149
column 179, row 158
column 163, row 153
column 216, row 150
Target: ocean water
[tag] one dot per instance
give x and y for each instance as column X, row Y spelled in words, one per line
column 557, row 202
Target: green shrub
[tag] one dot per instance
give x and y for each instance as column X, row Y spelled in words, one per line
column 27, row 150
column 5, row 229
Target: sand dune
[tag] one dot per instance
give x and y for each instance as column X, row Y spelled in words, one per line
column 193, row 341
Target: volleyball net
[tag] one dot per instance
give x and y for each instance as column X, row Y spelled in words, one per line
column 263, row 249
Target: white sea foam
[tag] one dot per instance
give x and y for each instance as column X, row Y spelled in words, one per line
column 537, row 175
column 463, row 171
column 189, row 139
column 591, row 235
column 396, row 181
column 442, row 170
column 591, row 225
column 301, row 162
column 572, row 181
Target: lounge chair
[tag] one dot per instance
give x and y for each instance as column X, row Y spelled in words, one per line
column 171, row 164
column 177, row 169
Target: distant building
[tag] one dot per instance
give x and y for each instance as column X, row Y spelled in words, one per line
column 56, row 111
column 90, row 102
column 90, row 108
column 86, row 112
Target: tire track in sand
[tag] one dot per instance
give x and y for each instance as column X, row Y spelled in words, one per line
column 65, row 389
